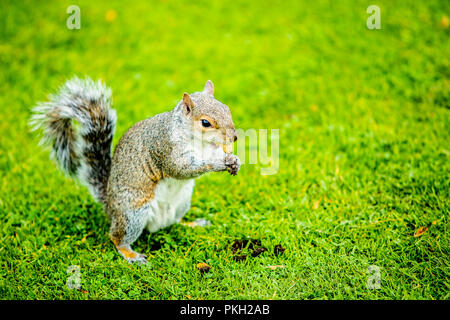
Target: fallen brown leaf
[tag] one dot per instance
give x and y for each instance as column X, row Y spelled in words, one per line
column 203, row 267
column 83, row 291
column 420, row 231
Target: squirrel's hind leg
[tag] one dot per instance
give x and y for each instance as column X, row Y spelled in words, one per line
column 124, row 231
column 130, row 255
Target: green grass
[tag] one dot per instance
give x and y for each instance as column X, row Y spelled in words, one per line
column 364, row 148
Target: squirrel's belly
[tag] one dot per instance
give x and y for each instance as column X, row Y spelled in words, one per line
column 171, row 201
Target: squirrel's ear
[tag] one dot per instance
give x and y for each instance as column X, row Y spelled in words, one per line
column 188, row 103
column 209, row 87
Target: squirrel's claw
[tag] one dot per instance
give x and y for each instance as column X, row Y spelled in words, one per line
column 131, row 256
column 139, row 259
column 233, row 164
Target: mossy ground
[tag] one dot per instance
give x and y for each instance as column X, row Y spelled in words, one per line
column 363, row 119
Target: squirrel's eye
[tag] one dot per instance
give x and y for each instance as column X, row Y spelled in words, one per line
column 206, row 123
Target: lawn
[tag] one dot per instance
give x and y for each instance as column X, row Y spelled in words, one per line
column 364, row 145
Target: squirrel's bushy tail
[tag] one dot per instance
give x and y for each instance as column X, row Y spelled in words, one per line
column 83, row 153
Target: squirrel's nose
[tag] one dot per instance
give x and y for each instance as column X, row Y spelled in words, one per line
column 231, row 135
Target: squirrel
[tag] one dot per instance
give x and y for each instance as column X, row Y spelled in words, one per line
column 148, row 182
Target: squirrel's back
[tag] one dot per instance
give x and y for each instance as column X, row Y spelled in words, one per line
column 136, row 164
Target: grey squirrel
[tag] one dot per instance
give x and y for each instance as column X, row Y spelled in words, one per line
column 149, row 180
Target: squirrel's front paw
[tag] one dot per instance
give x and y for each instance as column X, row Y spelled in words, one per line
column 233, row 164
